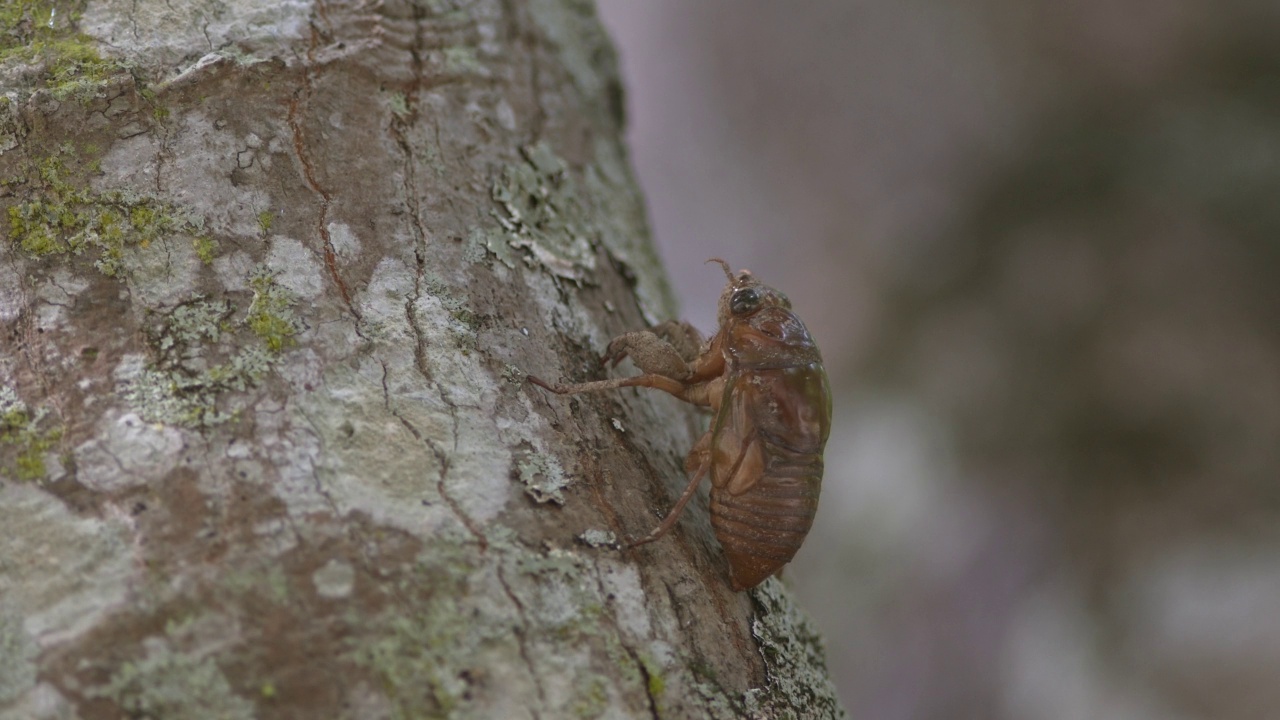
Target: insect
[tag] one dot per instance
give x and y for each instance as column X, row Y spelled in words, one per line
column 762, row 377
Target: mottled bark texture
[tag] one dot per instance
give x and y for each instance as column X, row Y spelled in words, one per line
column 271, row 276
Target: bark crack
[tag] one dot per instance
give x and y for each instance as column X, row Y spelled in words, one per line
column 161, row 151
column 300, row 98
column 316, row 483
column 521, row 636
column 411, row 195
column 308, row 172
column 648, row 683
column 631, row 652
column 443, row 457
column 133, row 19
column 529, row 41
column 593, row 468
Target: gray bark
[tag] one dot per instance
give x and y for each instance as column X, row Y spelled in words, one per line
column 271, row 276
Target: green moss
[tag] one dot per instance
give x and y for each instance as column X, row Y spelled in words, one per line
column 591, row 697
column 186, row 382
column 30, row 464
column 420, row 653
column 20, row 429
column 181, row 686
column 40, row 34
column 62, row 215
column 265, row 218
column 141, row 217
column 275, row 331
column 656, row 684
column 399, row 104
column 271, row 315
column 77, row 72
column 29, row 225
column 206, row 248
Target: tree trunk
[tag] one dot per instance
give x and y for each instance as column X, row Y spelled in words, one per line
column 271, row 278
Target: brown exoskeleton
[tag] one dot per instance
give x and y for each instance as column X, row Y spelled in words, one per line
column 762, row 377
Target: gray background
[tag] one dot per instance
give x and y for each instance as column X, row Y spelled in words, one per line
column 1039, row 244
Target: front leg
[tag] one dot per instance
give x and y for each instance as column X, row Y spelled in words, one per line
column 665, row 367
column 694, row 393
column 684, row 337
column 653, row 353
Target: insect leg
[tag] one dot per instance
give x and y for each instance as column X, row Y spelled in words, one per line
column 667, row 348
column 670, row 521
column 652, row 353
column 736, row 485
column 660, row 382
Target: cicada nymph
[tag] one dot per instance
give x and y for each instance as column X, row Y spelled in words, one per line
column 762, row 377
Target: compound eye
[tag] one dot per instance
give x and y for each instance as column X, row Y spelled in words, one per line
column 744, row 301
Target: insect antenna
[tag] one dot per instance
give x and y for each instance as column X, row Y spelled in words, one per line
column 727, row 272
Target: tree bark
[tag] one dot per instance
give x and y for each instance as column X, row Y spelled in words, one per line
column 272, row 275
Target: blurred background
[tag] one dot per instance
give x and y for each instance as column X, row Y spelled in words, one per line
column 1039, row 244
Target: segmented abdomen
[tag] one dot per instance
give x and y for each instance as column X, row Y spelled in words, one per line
column 761, row 529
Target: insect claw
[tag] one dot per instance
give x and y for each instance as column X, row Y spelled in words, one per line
column 615, row 353
column 633, row 544
column 557, row 388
